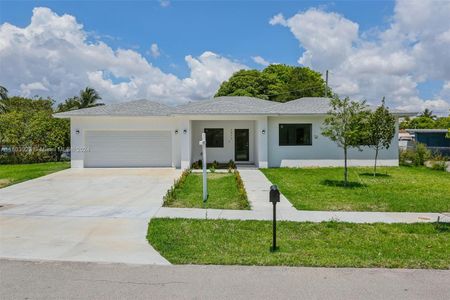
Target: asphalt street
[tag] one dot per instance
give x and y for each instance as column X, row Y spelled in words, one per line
column 79, row 280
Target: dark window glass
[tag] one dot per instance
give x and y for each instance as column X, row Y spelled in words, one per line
column 295, row 134
column 214, row 137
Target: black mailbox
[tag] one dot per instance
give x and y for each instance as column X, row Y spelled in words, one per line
column 274, row 195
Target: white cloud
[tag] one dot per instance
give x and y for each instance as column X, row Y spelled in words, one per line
column 28, row 89
column 154, row 50
column 260, row 60
column 53, row 57
column 373, row 64
column 278, row 20
column 164, row 3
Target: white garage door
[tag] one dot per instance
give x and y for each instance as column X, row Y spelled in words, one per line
column 128, row 149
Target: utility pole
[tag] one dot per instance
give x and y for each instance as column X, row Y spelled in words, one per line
column 326, row 83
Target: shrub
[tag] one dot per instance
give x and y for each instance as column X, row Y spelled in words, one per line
column 178, row 183
column 231, row 164
column 407, row 157
column 197, row 164
column 214, row 165
column 416, row 156
column 28, row 157
column 240, row 186
column 422, row 154
column 438, row 162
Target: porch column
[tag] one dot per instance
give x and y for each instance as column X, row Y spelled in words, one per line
column 261, row 142
column 185, row 143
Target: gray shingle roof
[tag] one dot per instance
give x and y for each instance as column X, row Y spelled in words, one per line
column 132, row 108
column 231, row 105
column 307, row 105
column 227, row 106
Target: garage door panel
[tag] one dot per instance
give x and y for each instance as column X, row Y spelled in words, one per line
column 128, row 149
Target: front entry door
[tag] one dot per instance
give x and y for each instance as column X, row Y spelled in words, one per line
column 241, row 145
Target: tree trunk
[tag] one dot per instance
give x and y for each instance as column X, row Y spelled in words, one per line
column 375, row 165
column 345, row 167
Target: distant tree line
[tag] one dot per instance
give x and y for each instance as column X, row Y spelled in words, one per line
column 426, row 120
column 28, row 131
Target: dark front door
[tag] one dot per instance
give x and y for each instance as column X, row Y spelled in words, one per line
column 241, row 145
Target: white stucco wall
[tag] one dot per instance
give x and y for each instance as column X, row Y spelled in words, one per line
column 226, row 153
column 84, row 124
column 322, row 152
column 264, row 147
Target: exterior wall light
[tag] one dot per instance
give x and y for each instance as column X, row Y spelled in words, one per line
column 176, row 131
column 77, row 131
column 263, row 131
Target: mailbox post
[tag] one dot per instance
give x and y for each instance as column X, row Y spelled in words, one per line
column 274, row 197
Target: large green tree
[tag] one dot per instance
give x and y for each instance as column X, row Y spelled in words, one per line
column 48, row 133
column 380, row 131
column 87, row 98
column 346, row 126
column 29, row 130
column 276, row 82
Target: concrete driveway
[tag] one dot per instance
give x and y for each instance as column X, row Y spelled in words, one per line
column 97, row 215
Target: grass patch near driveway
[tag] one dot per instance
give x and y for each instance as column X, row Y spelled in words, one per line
column 11, row 174
column 401, row 189
column 225, row 191
column 328, row 244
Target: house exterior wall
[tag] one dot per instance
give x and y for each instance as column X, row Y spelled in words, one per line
column 323, row 151
column 226, row 153
column 263, row 139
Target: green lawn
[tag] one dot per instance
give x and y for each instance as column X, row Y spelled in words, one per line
column 222, row 192
column 331, row 244
column 11, row 174
column 398, row 189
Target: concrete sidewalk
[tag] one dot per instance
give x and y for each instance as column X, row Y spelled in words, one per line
column 301, row 215
column 257, row 186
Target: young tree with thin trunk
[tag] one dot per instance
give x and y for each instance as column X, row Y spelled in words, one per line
column 380, row 131
column 345, row 125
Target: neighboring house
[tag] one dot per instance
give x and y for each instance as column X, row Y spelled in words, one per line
column 244, row 129
column 434, row 139
column 404, row 139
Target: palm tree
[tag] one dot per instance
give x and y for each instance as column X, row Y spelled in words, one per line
column 69, row 104
column 3, row 99
column 428, row 114
column 88, row 98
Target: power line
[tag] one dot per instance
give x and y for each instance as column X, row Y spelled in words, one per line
column 296, row 90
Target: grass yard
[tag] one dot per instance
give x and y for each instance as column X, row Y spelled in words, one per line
column 11, row 174
column 223, row 192
column 400, row 189
column 331, row 244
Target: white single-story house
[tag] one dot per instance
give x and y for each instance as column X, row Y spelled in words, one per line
column 243, row 129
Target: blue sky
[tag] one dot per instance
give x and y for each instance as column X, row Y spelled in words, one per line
column 233, row 30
